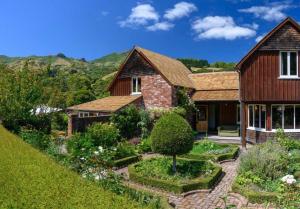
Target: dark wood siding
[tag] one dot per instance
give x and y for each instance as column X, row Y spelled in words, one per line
column 228, row 113
column 260, row 80
column 121, row 87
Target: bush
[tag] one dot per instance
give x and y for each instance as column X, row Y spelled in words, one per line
column 144, row 124
column 103, row 134
column 268, row 161
column 124, row 149
column 36, row 138
column 145, row 145
column 286, row 141
column 127, row 121
column 59, row 121
column 192, row 174
column 172, row 135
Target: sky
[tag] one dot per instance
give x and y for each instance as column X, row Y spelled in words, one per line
column 216, row 30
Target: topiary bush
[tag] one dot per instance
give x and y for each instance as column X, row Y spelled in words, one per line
column 172, row 135
column 127, row 121
column 103, row 134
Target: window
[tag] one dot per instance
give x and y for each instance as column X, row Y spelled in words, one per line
column 83, row 114
column 238, row 116
column 286, row 116
column 257, row 116
column 288, row 64
column 136, row 85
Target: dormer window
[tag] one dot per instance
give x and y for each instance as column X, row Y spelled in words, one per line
column 136, row 85
column 288, row 65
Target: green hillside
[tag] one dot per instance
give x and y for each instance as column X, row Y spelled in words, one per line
column 30, row 179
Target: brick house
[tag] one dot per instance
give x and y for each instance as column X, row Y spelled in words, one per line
column 151, row 80
column 270, row 85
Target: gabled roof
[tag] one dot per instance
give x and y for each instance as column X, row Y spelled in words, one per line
column 107, row 104
column 215, row 81
column 261, row 42
column 174, row 71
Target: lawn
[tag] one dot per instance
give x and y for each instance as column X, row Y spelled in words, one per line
column 30, row 179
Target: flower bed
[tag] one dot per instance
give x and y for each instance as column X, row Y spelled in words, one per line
column 208, row 150
column 191, row 174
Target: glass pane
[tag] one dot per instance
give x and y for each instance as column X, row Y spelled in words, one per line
column 276, row 116
column 133, row 84
column 250, row 116
column 256, row 116
column 139, row 84
column 283, row 63
column 297, row 116
column 263, row 116
column 289, row 117
column 293, row 64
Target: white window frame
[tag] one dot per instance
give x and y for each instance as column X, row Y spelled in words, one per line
column 83, row 114
column 135, row 91
column 282, row 120
column 288, row 76
column 253, row 117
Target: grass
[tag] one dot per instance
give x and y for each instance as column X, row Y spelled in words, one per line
column 29, row 179
column 205, row 146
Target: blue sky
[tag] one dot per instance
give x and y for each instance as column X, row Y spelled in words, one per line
column 209, row 29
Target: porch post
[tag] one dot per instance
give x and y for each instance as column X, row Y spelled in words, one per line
column 243, row 123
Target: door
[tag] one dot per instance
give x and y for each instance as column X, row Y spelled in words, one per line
column 202, row 118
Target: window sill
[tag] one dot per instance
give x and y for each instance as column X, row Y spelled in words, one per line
column 288, row 130
column 289, row 77
column 136, row 93
column 257, row 129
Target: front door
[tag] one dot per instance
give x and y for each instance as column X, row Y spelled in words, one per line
column 202, row 118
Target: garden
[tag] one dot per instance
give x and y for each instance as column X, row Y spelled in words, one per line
column 270, row 173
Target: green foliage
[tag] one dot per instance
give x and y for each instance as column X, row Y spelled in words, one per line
column 127, row 121
column 191, row 174
column 230, row 65
column 145, row 123
column 79, row 97
column 36, row 138
column 103, row 134
column 194, row 62
column 30, row 179
column 59, row 121
column 145, row 145
column 124, row 149
column 268, row 161
column 172, row 135
column 286, row 141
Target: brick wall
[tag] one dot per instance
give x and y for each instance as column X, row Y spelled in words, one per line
column 260, row 137
column 157, row 92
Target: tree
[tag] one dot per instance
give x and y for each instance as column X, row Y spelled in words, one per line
column 172, row 135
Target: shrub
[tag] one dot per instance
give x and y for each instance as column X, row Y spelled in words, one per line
column 172, row 135
column 103, row 134
column 59, row 121
column 36, row 138
column 268, row 161
column 286, row 141
column 127, row 121
column 124, row 149
column 144, row 124
column 145, row 145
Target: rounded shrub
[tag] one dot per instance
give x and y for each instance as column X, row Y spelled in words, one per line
column 103, row 134
column 172, row 135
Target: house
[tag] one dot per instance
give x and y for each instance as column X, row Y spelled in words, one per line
column 270, row 85
column 151, row 80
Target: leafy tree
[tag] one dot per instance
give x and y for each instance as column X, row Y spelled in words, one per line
column 79, row 97
column 172, row 135
column 194, row 63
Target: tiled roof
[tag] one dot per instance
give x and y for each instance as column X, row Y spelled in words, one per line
column 173, row 70
column 216, row 95
column 107, row 104
column 215, row 81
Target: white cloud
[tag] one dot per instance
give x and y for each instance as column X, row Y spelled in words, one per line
column 140, row 15
column 220, row 27
column 271, row 12
column 164, row 26
column 259, row 38
column 181, row 9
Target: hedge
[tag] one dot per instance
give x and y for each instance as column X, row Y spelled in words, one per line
column 255, row 196
column 215, row 157
column 123, row 162
column 194, row 184
column 30, row 179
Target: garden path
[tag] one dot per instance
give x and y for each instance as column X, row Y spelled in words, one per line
column 204, row 199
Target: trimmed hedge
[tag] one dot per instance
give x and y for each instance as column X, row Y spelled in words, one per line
column 30, row 179
column 215, row 157
column 123, row 162
column 255, row 196
column 193, row 184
